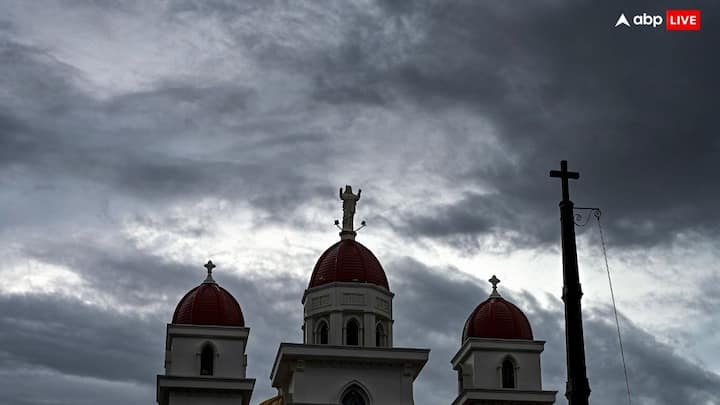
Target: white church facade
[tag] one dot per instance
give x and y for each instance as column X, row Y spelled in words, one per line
column 347, row 356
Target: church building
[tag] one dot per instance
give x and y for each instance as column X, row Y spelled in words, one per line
column 347, row 356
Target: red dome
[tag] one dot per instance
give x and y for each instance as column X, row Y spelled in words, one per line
column 208, row 304
column 348, row 261
column 498, row 319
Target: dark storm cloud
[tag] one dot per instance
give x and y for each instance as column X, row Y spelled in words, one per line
column 53, row 133
column 20, row 387
column 431, row 307
column 76, row 338
column 133, row 277
column 632, row 110
column 474, row 214
column 676, row 379
column 71, row 339
column 613, row 102
column 220, row 8
column 487, row 222
column 67, row 336
column 124, row 273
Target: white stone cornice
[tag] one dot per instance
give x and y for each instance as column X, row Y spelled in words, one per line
column 483, row 344
column 288, row 353
column 503, row 396
column 346, row 285
column 225, row 332
column 241, row 387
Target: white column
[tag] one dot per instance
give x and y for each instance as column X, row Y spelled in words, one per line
column 369, row 329
column 336, row 329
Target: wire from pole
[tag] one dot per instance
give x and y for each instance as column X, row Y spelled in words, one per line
column 597, row 214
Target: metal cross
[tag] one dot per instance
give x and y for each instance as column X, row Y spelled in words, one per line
column 564, row 174
column 494, row 281
column 209, row 266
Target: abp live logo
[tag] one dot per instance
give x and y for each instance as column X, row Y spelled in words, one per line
column 682, row 20
column 675, row 20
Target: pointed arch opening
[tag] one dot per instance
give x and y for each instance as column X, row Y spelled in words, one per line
column 321, row 336
column 207, row 359
column 508, row 373
column 354, row 395
column 352, row 333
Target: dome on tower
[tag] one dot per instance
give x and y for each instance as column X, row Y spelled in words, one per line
column 497, row 318
column 208, row 304
column 348, row 261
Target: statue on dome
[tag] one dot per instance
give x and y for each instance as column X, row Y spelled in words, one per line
column 349, row 202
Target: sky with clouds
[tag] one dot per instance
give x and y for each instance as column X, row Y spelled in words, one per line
column 139, row 139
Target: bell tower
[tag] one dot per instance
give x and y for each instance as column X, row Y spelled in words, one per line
column 499, row 360
column 347, row 355
column 205, row 360
column 348, row 301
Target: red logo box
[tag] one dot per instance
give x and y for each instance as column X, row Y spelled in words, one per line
column 682, row 20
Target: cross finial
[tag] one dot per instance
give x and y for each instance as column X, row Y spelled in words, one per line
column 494, row 281
column 564, row 174
column 209, row 266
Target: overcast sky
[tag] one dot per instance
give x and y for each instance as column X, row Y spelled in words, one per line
column 138, row 139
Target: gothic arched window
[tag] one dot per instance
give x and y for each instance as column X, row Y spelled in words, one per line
column 352, row 333
column 207, row 359
column 508, row 373
column 380, row 336
column 322, row 333
column 353, row 397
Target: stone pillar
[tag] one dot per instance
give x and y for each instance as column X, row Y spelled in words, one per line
column 369, row 321
column 336, row 329
column 309, row 334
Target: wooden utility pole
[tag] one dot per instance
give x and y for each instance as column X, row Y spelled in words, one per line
column 577, row 389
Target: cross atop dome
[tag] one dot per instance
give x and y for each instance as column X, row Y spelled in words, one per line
column 209, row 266
column 494, row 281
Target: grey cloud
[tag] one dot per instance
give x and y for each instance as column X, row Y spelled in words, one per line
column 62, row 338
column 20, row 387
column 124, row 275
column 657, row 373
column 489, row 222
column 619, row 105
column 54, row 133
column 432, row 305
column 548, row 95
column 67, row 336
column 631, row 110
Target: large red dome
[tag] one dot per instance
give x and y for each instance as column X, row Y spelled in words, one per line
column 499, row 319
column 208, row 304
column 348, row 261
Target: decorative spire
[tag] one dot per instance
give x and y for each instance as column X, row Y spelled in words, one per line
column 494, row 281
column 209, row 266
column 349, row 202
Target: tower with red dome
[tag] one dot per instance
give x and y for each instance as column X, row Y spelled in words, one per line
column 347, row 355
column 499, row 360
column 205, row 360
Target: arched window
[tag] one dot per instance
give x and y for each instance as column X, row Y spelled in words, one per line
column 322, row 333
column 207, row 359
column 352, row 333
column 508, row 373
column 380, row 336
column 354, row 396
